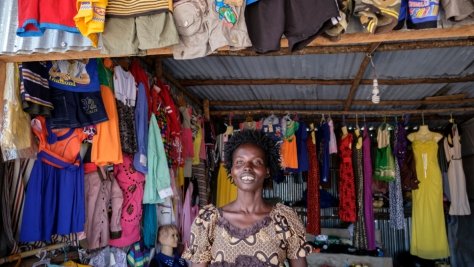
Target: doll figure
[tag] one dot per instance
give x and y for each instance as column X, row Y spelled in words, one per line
column 168, row 240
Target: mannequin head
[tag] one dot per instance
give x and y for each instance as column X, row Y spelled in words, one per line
column 168, row 235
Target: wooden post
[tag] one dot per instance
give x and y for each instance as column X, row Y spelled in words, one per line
column 205, row 106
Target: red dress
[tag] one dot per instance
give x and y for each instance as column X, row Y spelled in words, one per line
column 347, row 201
column 314, row 209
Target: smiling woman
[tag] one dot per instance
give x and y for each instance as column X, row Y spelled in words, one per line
column 248, row 231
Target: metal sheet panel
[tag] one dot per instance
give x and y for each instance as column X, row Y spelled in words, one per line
column 418, row 63
column 321, row 66
column 270, row 92
column 51, row 41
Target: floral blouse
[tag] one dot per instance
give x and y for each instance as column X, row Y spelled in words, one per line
column 269, row 242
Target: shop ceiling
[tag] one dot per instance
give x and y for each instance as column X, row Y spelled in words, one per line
column 426, row 72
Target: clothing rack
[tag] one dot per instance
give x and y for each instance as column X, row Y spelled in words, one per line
column 30, row 253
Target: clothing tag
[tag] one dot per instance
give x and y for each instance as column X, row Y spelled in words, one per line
column 164, row 193
column 112, row 260
column 143, row 160
column 234, row 2
column 270, row 128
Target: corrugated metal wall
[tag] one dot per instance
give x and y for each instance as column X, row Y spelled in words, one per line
column 290, row 191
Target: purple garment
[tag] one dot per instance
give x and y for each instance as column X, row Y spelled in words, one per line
column 400, row 147
column 368, row 208
column 323, row 148
column 302, row 149
column 141, row 131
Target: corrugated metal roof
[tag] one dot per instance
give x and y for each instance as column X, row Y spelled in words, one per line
column 51, row 41
column 423, row 63
column 321, row 66
column 270, row 92
column 458, row 88
column 399, row 92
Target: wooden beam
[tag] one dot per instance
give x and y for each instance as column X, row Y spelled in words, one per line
column 3, row 75
column 290, row 102
column 360, row 73
column 428, row 80
column 329, row 102
column 343, row 112
column 349, row 43
column 182, row 89
column 446, row 97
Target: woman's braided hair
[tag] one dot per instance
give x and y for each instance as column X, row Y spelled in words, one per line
column 270, row 149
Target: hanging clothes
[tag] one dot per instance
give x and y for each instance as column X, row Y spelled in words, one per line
column 54, row 202
column 384, row 161
column 158, row 179
column 226, row 189
column 302, row 148
column 15, row 135
column 288, row 150
column 313, row 225
column 457, row 178
column 102, row 191
column 190, row 212
column 126, row 94
column 140, row 160
column 428, row 234
column 323, row 150
column 131, row 183
column 106, row 146
column 360, row 233
column 332, row 138
column 368, row 207
column 347, row 198
column 397, row 216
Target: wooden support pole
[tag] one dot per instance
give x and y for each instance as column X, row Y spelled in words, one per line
column 183, row 90
column 304, row 102
column 349, row 43
column 205, row 107
column 30, row 253
column 427, row 80
column 343, row 112
column 360, row 73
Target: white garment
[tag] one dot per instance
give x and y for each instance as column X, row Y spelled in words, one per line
column 332, row 138
column 456, row 176
column 125, row 88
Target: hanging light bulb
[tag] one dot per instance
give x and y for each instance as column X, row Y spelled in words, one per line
column 375, row 92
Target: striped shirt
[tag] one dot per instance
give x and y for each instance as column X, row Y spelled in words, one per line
column 134, row 8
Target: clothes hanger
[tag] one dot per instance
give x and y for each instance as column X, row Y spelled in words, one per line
column 323, row 120
column 43, row 260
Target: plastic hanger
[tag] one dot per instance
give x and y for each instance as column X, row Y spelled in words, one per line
column 43, row 260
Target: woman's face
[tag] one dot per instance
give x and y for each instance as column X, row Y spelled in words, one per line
column 249, row 168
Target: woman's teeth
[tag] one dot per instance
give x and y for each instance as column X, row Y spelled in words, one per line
column 248, row 178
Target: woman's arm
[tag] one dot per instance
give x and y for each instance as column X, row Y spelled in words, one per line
column 300, row 262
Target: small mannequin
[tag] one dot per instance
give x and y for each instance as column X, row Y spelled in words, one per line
column 313, row 134
column 168, row 240
column 424, row 134
column 344, row 131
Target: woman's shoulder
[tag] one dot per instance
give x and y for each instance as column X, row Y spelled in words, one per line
column 285, row 211
column 208, row 213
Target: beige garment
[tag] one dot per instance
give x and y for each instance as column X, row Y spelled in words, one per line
column 134, row 35
column 458, row 9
